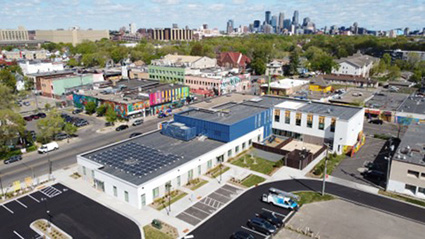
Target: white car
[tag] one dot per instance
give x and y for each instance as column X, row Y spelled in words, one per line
column 45, row 148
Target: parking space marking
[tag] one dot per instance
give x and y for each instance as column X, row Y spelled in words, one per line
column 279, row 214
column 193, row 216
column 258, row 233
column 35, row 199
column 16, row 233
column 228, row 190
column 7, row 209
column 25, row 206
column 219, row 194
column 202, row 210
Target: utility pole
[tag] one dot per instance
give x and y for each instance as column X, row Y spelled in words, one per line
column 50, row 165
column 1, row 186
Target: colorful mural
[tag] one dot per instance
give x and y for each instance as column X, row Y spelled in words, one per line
column 81, row 100
column 170, row 95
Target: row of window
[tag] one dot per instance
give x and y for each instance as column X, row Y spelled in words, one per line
column 196, row 82
column 412, row 189
column 174, row 73
column 415, row 174
column 298, row 120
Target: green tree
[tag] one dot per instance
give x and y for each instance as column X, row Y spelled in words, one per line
column 111, row 115
column 197, row 50
column 8, row 79
column 90, row 107
column 118, row 54
column 11, row 123
column 47, row 107
column 386, row 58
column 49, row 126
column 70, row 130
column 7, row 99
column 101, row 110
column 72, row 62
column 259, row 66
column 294, row 62
column 393, row 72
column 29, row 84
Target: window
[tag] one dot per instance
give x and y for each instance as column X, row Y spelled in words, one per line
column 209, row 163
column 143, row 199
column 421, row 190
column 423, row 175
column 250, row 143
column 243, row 145
column 190, row 175
column 258, row 138
column 229, row 153
column 155, row 192
column 411, row 188
column 333, row 123
column 287, row 117
column 412, row 173
column 115, row 191
column 276, row 115
column 126, row 196
column 179, row 181
column 84, row 170
column 309, row 121
column 237, row 149
column 92, row 173
column 199, row 169
column 322, row 122
column 298, row 119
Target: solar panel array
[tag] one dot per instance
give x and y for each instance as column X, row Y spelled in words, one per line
column 135, row 159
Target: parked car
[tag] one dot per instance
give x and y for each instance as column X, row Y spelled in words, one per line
column 41, row 115
column 162, row 115
column 107, row 124
column 271, row 217
column 261, row 225
column 28, row 118
column 376, row 121
column 35, row 116
column 275, row 197
column 45, row 148
column 26, row 103
column 81, row 122
column 33, row 134
column 61, row 136
column 77, row 111
column 138, row 122
column 241, row 235
column 135, row 134
column 374, row 175
column 12, row 159
column 122, row 127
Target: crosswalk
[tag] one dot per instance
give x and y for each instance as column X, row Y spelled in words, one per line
column 50, row 191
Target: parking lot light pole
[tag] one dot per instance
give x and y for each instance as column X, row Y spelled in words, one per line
column 50, row 165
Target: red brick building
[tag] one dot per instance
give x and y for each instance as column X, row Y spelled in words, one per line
column 233, row 60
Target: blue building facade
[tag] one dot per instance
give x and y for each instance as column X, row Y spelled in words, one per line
column 224, row 131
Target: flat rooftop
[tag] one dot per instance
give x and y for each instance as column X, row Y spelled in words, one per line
column 412, row 146
column 386, row 101
column 51, row 73
column 143, row 158
column 354, row 96
column 126, row 99
column 286, row 83
column 228, row 115
column 220, row 100
column 413, row 104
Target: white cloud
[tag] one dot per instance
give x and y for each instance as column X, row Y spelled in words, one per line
column 167, row 2
column 239, row 1
column 216, row 6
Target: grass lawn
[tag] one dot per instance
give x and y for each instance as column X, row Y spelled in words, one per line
column 403, row 198
column 333, row 162
column 199, row 184
column 261, row 166
column 252, row 180
column 215, row 172
column 163, row 202
column 153, row 233
column 309, row 197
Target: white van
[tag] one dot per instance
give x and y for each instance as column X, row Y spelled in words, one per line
column 48, row 147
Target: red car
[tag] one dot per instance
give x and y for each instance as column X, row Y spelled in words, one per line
column 35, row 116
column 28, row 118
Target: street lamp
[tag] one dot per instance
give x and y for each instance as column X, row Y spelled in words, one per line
column 49, row 216
column 50, row 165
column 325, row 171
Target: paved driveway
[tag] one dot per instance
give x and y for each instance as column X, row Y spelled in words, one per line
column 74, row 213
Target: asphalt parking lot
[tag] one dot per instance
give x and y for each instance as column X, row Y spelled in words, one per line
column 74, row 213
column 390, row 129
column 209, row 204
column 341, row 219
column 235, row 215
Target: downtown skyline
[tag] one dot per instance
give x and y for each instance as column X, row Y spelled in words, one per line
column 109, row 14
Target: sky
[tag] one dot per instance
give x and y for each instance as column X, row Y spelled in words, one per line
column 113, row 14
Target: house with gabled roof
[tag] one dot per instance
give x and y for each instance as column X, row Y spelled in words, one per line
column 233, row 60
column 355, row 65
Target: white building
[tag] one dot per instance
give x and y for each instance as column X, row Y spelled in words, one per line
column 274, row 67
column 284, row 87
column 164, row 159
column 132, row 27
column 39, row 67
column 338, row 126
column 355, row 65
column 194, row 62
column 407, row 173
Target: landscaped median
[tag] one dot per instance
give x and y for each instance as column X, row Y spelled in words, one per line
column 333, row 161
column 162, row 202
column 196, row 183
column 159, row 230
column 217, row 170
column 310, row 197
column 252, row 180
column 403, row 198
column 257, row 164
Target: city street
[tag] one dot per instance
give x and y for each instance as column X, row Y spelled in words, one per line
column 34, row 164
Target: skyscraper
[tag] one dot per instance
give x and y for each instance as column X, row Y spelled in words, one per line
column 229, row 26
column 355, row 28
column 295, row 19
column 287, row 24
column 267, row 20
column 132, row 27
column 257, row 23
column 281, row 20
column 274, row 23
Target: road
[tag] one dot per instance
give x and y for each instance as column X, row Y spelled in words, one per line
column 236, row 214
column 34, row 164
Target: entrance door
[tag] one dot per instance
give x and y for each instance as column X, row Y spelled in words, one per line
column 143, row 200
